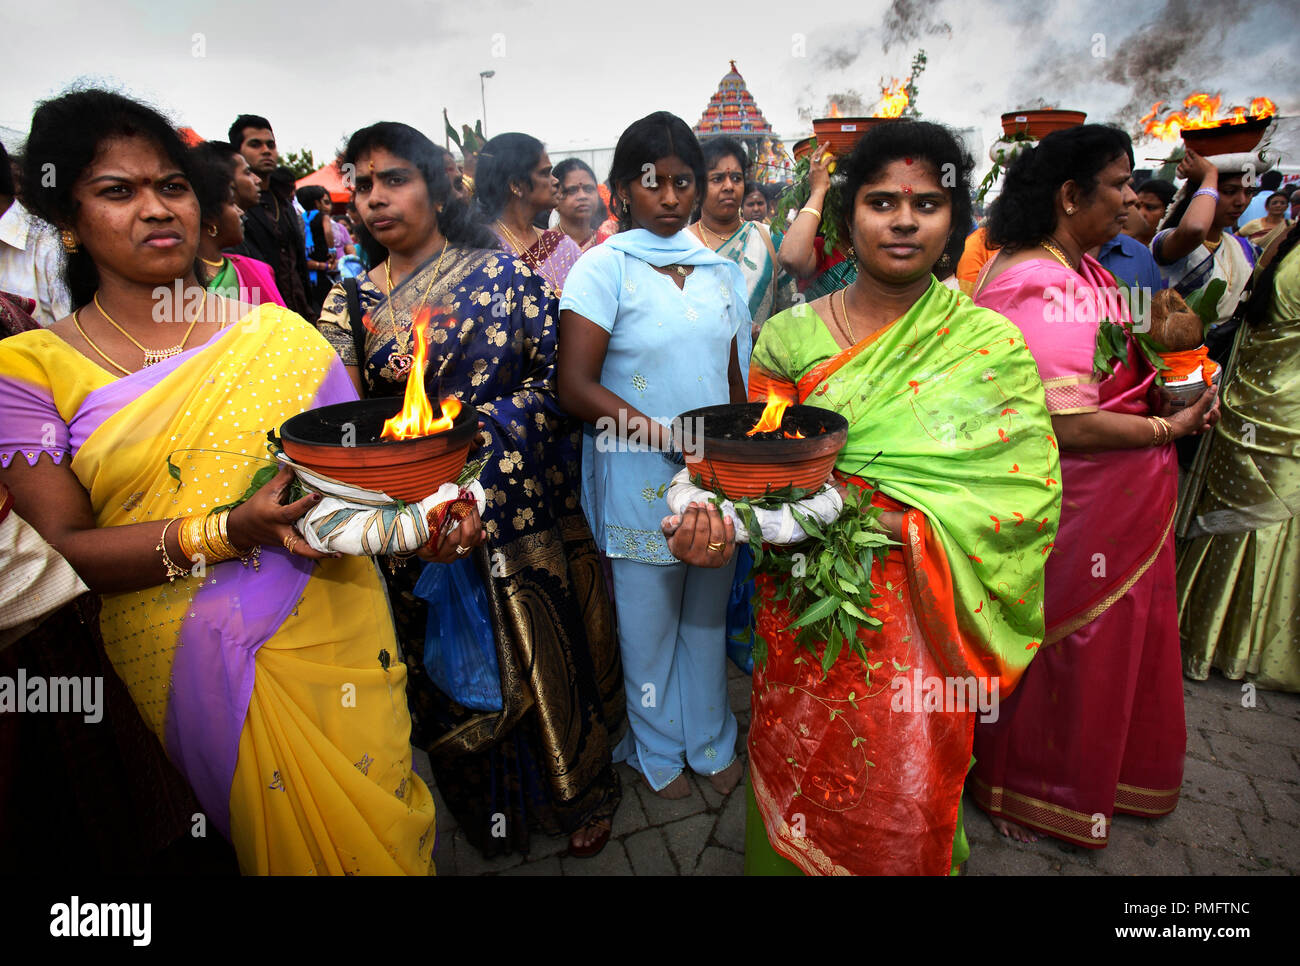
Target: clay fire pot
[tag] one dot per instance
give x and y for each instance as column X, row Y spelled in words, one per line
column 842, row 133
column 744, row 467
column 802, row 148
column 1037, row 124
column 405, row 469
column 1226, row 138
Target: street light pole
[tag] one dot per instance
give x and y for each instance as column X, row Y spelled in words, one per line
column 483, row 75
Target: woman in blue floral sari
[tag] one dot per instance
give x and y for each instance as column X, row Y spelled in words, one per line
column 543, row 761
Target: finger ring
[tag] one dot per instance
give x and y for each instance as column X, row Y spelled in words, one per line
column 719, row 547
column 461, row 551
column 290, row 541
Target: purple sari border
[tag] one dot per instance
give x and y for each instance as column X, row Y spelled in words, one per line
column 233, row 614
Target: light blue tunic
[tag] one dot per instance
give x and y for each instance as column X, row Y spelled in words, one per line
column 669, row 351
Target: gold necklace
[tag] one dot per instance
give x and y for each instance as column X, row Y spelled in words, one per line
column 1058, row 255
column 76, row 320
column 217, row 264
column 388, row 276
column 1215, row 246
column 721, row 238
column 531, row 262
column 847, row 325
column 151, row 356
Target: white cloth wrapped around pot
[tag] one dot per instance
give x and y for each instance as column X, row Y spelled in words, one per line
column 778, row 525
column 368, row 523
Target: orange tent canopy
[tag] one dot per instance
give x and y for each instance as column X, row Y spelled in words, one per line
column 331, row 179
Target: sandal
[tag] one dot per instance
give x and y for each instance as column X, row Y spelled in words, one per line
column 594, row 846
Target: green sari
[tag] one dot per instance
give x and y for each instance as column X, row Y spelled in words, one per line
column 1238, row 580
column 948, row 425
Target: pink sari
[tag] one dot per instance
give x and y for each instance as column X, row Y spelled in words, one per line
column 1076, row 742
column 257, row 279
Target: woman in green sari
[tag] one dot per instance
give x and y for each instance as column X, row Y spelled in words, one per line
column 1238, row 579
column 949, row 433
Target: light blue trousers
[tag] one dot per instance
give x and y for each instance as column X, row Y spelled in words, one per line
column 672, row 637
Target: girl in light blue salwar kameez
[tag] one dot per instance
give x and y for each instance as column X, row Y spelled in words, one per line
column 668, row 351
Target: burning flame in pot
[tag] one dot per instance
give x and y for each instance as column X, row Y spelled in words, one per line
column 773, row 413
column 1202, row 111
column 893, row 100
column 835, row 110
column 416, row 417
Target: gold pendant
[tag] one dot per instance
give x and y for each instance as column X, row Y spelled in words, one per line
column 154, row 356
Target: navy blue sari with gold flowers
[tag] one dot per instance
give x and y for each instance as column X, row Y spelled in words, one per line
column 544, row 760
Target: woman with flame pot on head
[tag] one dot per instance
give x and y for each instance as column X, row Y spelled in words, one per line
column 654, row 324
column 1097, row 726
column 857, row 770
column 537, row 753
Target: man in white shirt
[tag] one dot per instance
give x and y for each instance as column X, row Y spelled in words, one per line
column 31, row 262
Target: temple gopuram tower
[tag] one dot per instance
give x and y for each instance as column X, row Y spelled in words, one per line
column 733, row 113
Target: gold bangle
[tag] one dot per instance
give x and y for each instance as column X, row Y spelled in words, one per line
column 173, row 571
column 1169, row 429
column 811, row 209
column 190, row 535
column 252, row 555
column 217, row 547
column 1155, row 430
column 223, row 534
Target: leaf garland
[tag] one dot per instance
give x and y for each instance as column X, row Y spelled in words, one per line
column 825, row 580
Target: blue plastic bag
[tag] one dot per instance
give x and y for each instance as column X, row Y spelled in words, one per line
column 460, row 649
column 740, row 612
column 350, row 266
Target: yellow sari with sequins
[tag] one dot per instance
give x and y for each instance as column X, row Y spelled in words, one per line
column 278, row 692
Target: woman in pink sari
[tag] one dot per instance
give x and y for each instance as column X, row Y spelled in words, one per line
column 1076, row 743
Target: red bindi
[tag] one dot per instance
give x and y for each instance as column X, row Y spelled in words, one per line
column 907, row 189
column 907, row 161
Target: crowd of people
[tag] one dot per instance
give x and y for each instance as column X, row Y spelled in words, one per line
column 1028, row 483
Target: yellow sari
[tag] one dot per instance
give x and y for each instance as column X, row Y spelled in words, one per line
column 279, row 693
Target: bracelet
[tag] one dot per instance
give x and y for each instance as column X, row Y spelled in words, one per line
column 810, row 208
column 190, row 535
column 1208, row 192
column 253, row 555
column 173, row 571
column 1162, row 432
column 215, row 536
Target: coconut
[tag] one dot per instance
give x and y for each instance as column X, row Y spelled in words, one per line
column 1174, row 326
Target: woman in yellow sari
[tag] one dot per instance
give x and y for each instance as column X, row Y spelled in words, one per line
column 274, row 681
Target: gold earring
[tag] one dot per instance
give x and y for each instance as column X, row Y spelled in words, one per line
column 212, row 231
column 69, row 239
column 1069, row 211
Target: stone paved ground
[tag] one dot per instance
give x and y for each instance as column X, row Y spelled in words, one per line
column 1239, row 814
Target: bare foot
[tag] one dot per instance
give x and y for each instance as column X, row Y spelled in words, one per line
column 1013, row 831
column 727, row 779
column 589, row 839
column 679, row 787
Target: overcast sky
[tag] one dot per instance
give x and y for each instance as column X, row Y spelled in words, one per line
column 576, row 73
